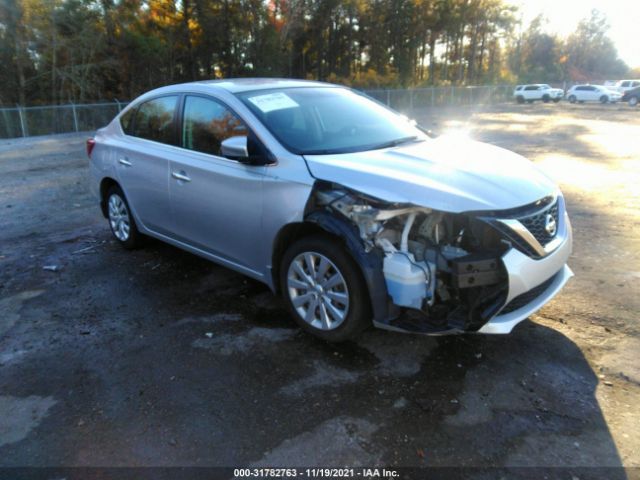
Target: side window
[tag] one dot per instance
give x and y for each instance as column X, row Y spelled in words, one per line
column 635, row 84
column 581, row 89
column 591, row 89
column 154, row 120
column 624, row 84
column 126, row 121
column 206, row 123
column 531, row 87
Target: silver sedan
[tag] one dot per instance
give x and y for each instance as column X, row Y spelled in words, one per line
column 355, row 214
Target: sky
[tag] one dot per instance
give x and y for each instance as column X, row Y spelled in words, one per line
column 564, row 15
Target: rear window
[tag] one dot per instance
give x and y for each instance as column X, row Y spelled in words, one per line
column 154, row 120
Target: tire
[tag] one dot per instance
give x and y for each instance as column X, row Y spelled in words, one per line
column 556, row 100
column 546, row 98
column 572, row 99
column 520, row 99
column 336, row 318
column 633, row 101
column 604, row 99
column 121, row 221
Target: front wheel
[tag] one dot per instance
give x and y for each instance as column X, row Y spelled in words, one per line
column 121, row 221
column 546, row 98
column 324, row 290
column 520, row 99
column 604, row 99
column 572, row 99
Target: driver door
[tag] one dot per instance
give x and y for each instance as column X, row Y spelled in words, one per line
column 216, row 202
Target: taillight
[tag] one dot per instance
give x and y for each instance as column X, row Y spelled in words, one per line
column 90, row 144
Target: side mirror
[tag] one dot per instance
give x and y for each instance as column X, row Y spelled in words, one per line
column 235, row 148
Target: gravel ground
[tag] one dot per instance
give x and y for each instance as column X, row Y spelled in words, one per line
column 159, row 358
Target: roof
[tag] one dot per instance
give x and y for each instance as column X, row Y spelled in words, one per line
column 233, row 85
column 237, row 85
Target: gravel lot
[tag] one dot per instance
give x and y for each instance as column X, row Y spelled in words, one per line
column 157, row 357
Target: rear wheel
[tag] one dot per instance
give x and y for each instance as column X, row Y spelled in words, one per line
column 121, row 221
column 520, row 99
column 546, row 98
column 324, row 289
column 572, row 99
column 633, row 101
column 604, row 99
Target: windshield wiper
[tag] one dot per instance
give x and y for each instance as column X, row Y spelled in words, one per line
column 396, row 142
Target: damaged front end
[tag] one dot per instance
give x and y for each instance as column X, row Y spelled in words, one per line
column 427, row 271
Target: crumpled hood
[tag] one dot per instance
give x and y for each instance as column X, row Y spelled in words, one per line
column 448, row 174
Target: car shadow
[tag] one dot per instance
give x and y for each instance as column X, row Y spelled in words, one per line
column 526, row 400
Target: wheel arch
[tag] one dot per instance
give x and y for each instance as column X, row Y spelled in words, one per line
column 369, row 263
column 105, row 184
column 285, row 237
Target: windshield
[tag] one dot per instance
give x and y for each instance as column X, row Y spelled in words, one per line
column 546, row 87
column 325, row 120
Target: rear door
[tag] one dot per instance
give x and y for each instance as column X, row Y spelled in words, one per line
column 142, row 163
column 216, row 202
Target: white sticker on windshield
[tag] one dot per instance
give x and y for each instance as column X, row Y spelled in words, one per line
column 273, row 101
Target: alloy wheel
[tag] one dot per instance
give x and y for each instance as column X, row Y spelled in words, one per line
column 318, row 291
column 119, row 217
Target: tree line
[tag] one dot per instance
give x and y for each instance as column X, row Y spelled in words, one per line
column 60, row 51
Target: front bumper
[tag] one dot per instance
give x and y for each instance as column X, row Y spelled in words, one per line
column 501, row 290
column 525, row 274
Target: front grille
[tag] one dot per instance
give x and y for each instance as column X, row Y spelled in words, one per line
column 536, row 223
column 528, row 296
column 530, row 218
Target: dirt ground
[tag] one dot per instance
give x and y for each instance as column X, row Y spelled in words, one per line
column 159, row 358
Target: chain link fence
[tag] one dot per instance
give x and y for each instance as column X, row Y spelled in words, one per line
column 33, row 121
column 406, row 100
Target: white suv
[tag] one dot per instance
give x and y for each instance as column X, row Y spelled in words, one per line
column 538, row 91
column 624, row 85
column 592, row 93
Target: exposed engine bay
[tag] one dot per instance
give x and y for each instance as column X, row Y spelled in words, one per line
column 444, row 270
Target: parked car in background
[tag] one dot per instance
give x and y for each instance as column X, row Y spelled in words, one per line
column 343, row 206
column 631, row 96
column 592, row 93
column 538, row 91
column 624, row 85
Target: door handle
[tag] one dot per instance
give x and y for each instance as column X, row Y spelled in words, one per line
column 125, row 162
column 181, row 176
